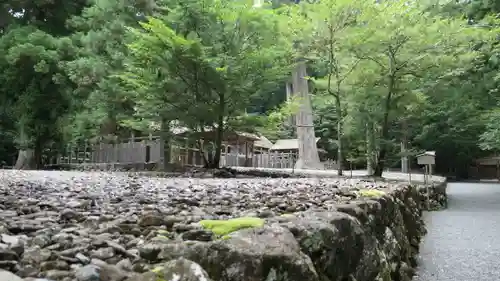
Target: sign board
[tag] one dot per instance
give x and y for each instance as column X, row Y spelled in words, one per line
column 427, row 158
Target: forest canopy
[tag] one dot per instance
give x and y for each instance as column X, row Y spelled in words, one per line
column 387, row 78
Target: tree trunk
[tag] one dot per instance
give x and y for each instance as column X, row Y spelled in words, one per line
column 379, row 168
column 166, row 143
column 215, row 154
column 218, row 147
column 26, row 158
column 391, row 86
column 339, row 136
column 370, row 148
column 308, row 151
column 289, row 95
column 404, row 150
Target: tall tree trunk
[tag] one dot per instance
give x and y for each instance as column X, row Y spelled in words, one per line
column 404, row 150
column 379, row 168
column 340, row 157
column 289, row 96
column 166, row 143
column 370, row 148
column 26, row 159
column 214, row 159
column 308, row 151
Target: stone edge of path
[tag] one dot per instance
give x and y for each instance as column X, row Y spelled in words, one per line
column 434, row 193
column 372, row 238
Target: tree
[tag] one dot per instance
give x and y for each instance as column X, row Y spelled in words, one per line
column 329, row 53
column 206, row 60
column 100, row 104
column 38, row 94
column 408, row 48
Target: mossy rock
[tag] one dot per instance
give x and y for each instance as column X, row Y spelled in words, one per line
column 373, row 193
column 224, row 227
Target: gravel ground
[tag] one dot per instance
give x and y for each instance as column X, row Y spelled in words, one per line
column 463, row 241
column 355, row 173
column 53, row 223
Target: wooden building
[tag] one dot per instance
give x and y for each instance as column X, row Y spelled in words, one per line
column 487, row 168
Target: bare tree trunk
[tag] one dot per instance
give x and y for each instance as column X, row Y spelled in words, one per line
column 404, row 156
column 370, row 148
column 308, row 151
column 340, row 158
column 166, row 143
column 26, row 159
column 289, row 96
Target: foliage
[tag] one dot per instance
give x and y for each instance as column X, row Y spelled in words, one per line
column 206, row 62
column 423, row 73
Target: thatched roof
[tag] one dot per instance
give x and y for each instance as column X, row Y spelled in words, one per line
column 287, row 144
column 263, row 142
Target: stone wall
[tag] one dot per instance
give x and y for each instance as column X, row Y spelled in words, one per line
column 373, row 238
column 210, row 230
column 435, row 196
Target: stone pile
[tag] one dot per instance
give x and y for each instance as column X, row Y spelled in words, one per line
column 114, row 227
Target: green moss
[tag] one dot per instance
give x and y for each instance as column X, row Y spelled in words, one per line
column 224, row 227
column 226, row 237
column 157, row 270
column 162, row 232
column 371, row 193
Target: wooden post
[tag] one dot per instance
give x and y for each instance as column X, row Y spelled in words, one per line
column 70, row 159
column 237, row 153
column 427, row 172
column 498, row 167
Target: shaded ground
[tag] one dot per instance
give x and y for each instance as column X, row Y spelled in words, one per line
column 463, row 242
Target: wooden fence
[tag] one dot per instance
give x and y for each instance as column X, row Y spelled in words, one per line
column 150, row 151
column 133, row 151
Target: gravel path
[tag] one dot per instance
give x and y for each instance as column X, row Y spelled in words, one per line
column 463, row 242
column 347, row 173
column 61, row 225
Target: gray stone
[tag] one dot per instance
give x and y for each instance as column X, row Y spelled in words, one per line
column 245, row 254
column 88, row 273
column 9, row 276
column 179, row 269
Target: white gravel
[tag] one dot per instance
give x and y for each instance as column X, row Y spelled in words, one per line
column 463, row 241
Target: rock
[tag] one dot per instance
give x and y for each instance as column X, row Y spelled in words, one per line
column 9, row 276
column 82, row 258
column 8, row 255
column 179, row 269
column 69, row 226
column 268, row 253
column 198, row 235
column 58, row 274
column 88, row 273
column 36, row 255
column 151, row 219
column 329, row 238
column 102, row 272
column 70, row 214
column 125, row 264
column 103, row 253
column 150, row 252
column 112, row 273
